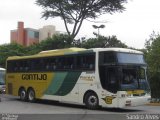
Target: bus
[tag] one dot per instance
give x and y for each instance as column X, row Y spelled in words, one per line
column 2, row 81
column 107, row 77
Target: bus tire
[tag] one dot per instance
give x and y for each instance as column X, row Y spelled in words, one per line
column 91, row 100
column 31, row 95
column 23, row 94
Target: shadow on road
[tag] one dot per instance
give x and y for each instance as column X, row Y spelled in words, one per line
column 60, row 104
column 117, row 110
column 120, row 110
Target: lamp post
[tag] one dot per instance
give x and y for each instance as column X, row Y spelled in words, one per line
column 98, row 27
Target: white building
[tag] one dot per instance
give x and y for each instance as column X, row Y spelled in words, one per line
column 46, row 32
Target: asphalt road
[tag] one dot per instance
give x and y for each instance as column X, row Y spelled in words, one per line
column 14, row 109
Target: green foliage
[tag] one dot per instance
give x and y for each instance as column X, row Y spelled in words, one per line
column 33, row 49
column 153, row 60
column 76, row 11
column 57, row 42
column 10, row 50
column 102, row 42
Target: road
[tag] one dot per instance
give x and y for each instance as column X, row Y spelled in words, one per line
column 11, row 106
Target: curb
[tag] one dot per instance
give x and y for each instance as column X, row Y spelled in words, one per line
column 153, row 104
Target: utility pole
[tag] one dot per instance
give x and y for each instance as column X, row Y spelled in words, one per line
column 98, row 27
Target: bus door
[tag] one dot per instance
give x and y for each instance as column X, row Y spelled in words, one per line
column 109, row 78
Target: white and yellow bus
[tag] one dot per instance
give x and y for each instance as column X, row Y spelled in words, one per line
column 107, row 77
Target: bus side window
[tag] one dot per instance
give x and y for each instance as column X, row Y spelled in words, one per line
column 59, row 63
column 52, row 64
column 79, row 63
column 86, row 62
column 47, row 64
column 69, row 63
column 111, row 83
column 32, row 65
column 16, row 67
column 21, row 67
column 41, row 64
column 27, row 66
column 91, row 61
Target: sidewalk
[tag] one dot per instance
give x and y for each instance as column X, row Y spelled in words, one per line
column 153, row 104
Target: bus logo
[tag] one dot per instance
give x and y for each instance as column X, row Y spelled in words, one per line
column 108, row 99
column 34, row 77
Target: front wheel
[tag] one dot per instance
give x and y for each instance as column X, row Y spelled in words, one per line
column 91, row 100
column 31, row 95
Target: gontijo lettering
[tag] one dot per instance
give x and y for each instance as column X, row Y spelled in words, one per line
column 34, row 77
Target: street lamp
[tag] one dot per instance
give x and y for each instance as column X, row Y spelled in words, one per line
column 98, row 27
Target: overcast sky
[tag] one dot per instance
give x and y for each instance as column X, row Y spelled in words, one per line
column 132, row 27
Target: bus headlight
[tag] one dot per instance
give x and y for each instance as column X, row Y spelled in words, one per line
column 4, row 90
column 123, row 95
column 128, row 103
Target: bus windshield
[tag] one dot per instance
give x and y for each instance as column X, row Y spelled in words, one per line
column 126, row 58
column 133, row 78
column 122, row 71
column 2, row 76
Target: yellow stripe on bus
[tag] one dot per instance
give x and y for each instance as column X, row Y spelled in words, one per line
column 135, row 92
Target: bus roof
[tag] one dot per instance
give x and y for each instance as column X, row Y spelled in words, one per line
column 118, row 50
column 50, row 53
column 72, row 50
column 62, row 51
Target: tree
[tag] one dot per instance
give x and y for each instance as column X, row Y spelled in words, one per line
column 153, row 60
column 76, row 11
column 103, row 42
column 10, row 50
column 56, row 42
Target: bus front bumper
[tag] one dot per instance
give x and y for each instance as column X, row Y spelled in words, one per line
column 133, row 101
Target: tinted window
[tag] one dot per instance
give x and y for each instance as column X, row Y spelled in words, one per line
column 109, row 78
column 107, row 58
column 68, row 62
column 130, row 58
column 85, row 62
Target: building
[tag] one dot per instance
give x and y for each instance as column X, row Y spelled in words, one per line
column 24, row 36
column 46, row 32
column 29, row 36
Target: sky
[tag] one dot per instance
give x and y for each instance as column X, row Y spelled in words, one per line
column 133, row 26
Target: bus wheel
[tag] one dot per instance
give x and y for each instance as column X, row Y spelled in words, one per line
column 22, row 94
column 31, row 95
column 91, row 100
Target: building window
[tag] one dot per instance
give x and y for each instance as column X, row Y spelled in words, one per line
column 33, row 34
